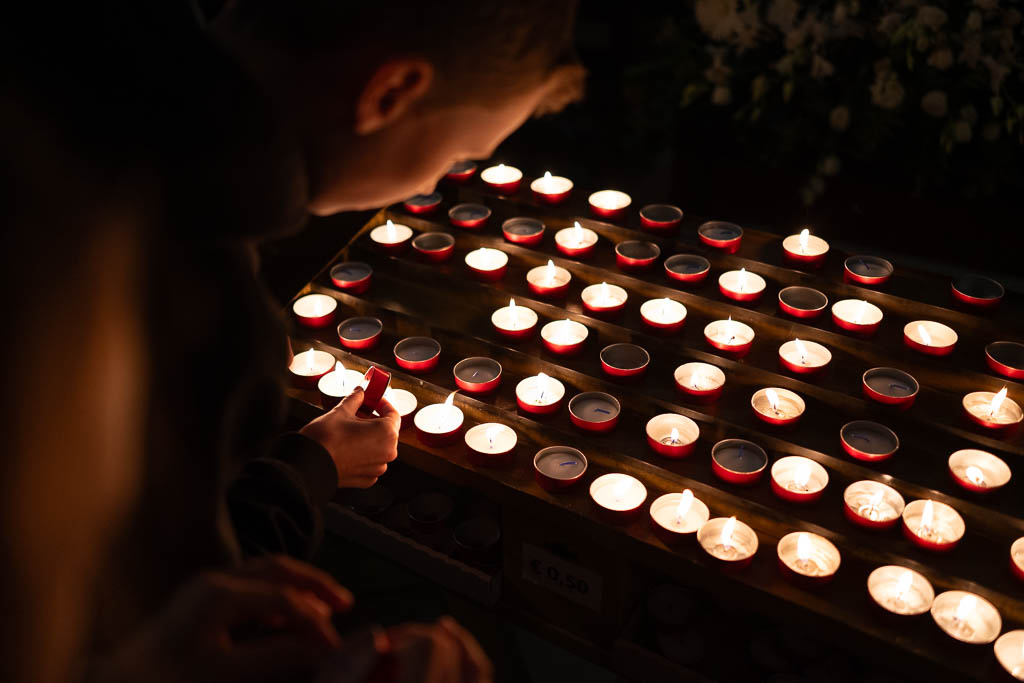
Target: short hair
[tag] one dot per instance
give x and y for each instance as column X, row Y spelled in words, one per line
column 482, row 46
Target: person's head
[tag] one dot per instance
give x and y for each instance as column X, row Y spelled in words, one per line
column 385, row 95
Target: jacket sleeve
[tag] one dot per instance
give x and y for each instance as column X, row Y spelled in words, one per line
column 277, row 503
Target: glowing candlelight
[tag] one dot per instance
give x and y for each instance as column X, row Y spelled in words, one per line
column 924, row 527
column 859, row 318
column 492, row 432
column 606, row 300
column 964, row 609
column 697, row 380
column 804, row 234
column 975, row 475
column 578, row 235
column 543, row 384
column 742, row 280
column 448, row 412
column 563, row 336
column 672, row 439
column 801, row 477
column 926, row 338
column 903, row 587
column 773, row 400
column 997, row 401
column 551, row 273
column 310, row 357
column 803, row 550
column 514, row 313
column 801, row 349
column 685, row 502
column 967, row 617
column 870, row 509
column 618, row 493
column 621, row 489
column 725, row 538
column 391, row 232
column 992, row 410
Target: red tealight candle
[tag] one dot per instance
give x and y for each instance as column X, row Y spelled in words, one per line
column 932, row 525
column 777, row 406
column 966, row 617
column 700, row 381
column 487, row 264
column 309, row 366
column 315, row 310
column 477, row 375
column 677, row 516
column 731, row 336
column 359, row 334
column 604, row 299
column 738, row 461
column 610, row 204
column 551, row 189
column 672, row 435
column 403, row 401
column 890, row 386
column 540, row 395
column 502, row 179
column 1017, row 558
column 807, row 558
column 619, row 496
column 660, row 218
column 857, row 316
column 1006, row 358
column 417, row 354
column 932, row 338
column 721, row 235
column 805, row 249
column 872, row 504
column 1009, row 650
column 977, row 291
column 664, row 315
column 798, row 479
column 375, row 384
column 729, row 541
column 804, row 357
column 867, row 270
column 524, row 231
column 594, row 411
column 901, row 591
column 469, row 216
column 564, row 337
column 802, row 302
column 636, row 254
column 434, row 247
column 352, row 276
column 422, row 204
column 740, row 285
column 337, row 384
column 576, row 242
column 491, row 444
column 978, row 471
column 993, row 410
column 460, row 171
column 688, row 268
column 439, row 424
column 548, row 281
column 557, row 468
column 624, row 360
column 514, row 322
column 870, row 441
column 391, row 237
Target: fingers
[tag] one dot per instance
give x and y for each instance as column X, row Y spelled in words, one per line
column 390, row 413
column 351, row 403
column 357, row 482
column 283, row 569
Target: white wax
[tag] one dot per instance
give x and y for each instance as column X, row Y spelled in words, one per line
column 873, row 500
column 576, row 237
column 543, row 276
column 564, row 332
column 438, row 418
column 501, row 174
column 665, row 512
column 857, row 312
column 815, row 246
column 610, row 199
column 618, row 492
column 729, row 332
column 900, row 590
column 604, row 295
column 946, row 525
column 401, row 400
column 314, row 305
column 808, row 554
column 967, row 617
column 540, row 391
column 1009, row 649
column 514, row 318
column 930, row 333
column 741, row 282
column 551, row 184
column 490, row 438
column 486, row 258
column 988, row 470
column 699, row 376
column 394, row 233
column 340, row 384
column 814, row 354
column 799, row 474
column 788, row 403
column 311, row 363
column 663, row 311
column 979, row 404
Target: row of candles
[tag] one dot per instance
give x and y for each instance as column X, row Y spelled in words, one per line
column 801, row 250
column 889, row 386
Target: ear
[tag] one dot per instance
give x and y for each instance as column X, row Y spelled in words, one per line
column 393, row 87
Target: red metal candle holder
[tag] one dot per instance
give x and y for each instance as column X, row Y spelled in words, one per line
column 488, row 265
column 872, row 504
column 615, row 504
column 798, row 479
column 669, row 525
column 594, row 411
column 477, row 375
column 525, row 319
column 377, row 382
column 871, row 271
column 947, row 527
column 869, row 441
column 557, row 468
column 460, row 171
column 434, row 247
column 431, row 436
column 802, row 302
column 721, row 235
column 576, row 242
column 846, row 313
column 732, row 337
column 624, row 360
column 811, row 257
column 688, row 268
column 1006, row 358
column 609, row 204
column 814, row 359
column 302, row 377
column 664, row 315
column 604, row 300
column 469, row 216
column 672, row 435
column 505, row 180
column 360, row 333
column 524, row 231
column 422, row 204
column 818, row 567
column 564, row 340
column 707, row 388
column 636, row 254
column 492, row 455
column 660, row 218
column 751, row 291
column 1017, row 558
column 978, row 471
column 539, row 395
column 977, row 291
column 391, row 238
column 549, row 282
column 1008, row 415
column 741, row 548
column 738, row 461
column 417, row 354
column 790, row 406
column 929, row 337
column 315, row 311
column 890, row 386
column 549, row 189
column 353, row 277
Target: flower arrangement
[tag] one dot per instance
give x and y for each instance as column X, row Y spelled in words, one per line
column 935, row 88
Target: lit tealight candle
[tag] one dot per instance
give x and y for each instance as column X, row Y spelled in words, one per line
column 675, row 516
column 540, row 394
column 872, row 504
column 804, row 357
column 618, row 495
column 501, row 178
column 700, row 381
column 548, row 280
column 552, row 189
column 928, row 336
column 932, row 525
column 978, row 471
column 741, row 285
column 805, row 248
column 798, row 479
column 391, row 237
column 967, row 617
column 438, row 424
column 855, row 315
column 514, row 322
column 731, row 336
column 403, row 401
column 338, row 384
column 672, row 435
column 309, row 366
column 564, row 337
column 315, row 310
column 1017, row 558
column 808, row 558
column 487, row 263
column 994, row 410
column 604, row 299
column 666, row 315
column 609, row 203
column 729, row 541
column 577, row 241
column 900, row 590
column 1009, row 649
column 777, row 406
column 491, row 443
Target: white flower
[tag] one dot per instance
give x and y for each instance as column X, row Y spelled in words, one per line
column 990, row 131
column 839, row 118
column 830, row 165
column 721, row 95
column 931, row 17
column 962, row 131
column 974, row 21
column 719, row 19
column 887, row 91
column 889, row 22
column 821, row 68
column 782, row 14
column 941, row 59
column 935, row 103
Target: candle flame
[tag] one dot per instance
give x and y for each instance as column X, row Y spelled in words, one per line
column 606, row 295
column 674, row 436
column 773, row 399
column 927, row 517
column 501, row 169
column 725, row 538
column 310, row 358
column 492, row 432
column 975, row 475
column 804, row 234
column 621, row 489
column 663, row 312
column 450, row 401
column 392, row 233
column 563, row 337
column 903, row 584
column 578, row 233
column 803, row 547
column 801, row 348
column 802, row 475
column 742, row 279
column 876, row 498
column 685, row 501
column 860, row 312
column 338, row 367
column 697, row 378
column 543, row 382
column 318, row 307
column 997, row 401
column 926, row 338
column 547, row 175
column 550, row 272
column 967, row 605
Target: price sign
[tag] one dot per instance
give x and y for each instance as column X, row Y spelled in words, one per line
column 569, row 580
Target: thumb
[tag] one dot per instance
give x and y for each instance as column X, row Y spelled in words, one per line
column 351, row 403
